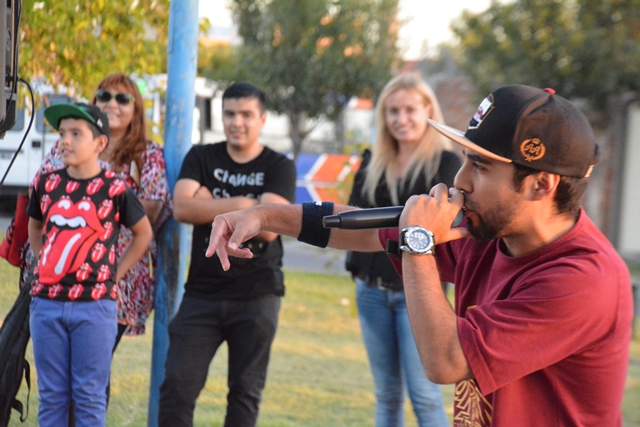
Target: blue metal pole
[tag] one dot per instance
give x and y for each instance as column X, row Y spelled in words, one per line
column 180, row 102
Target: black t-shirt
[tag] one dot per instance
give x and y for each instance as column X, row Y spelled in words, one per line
column 377, row 264
column 82, row 220
column 270, row 172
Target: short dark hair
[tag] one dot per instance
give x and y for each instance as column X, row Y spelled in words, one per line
column 95, row 132
column 569, row 193
column 246, row 90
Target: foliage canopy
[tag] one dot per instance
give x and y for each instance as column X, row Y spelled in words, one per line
column 76, row 44
column 585, row 49
column 311, row 56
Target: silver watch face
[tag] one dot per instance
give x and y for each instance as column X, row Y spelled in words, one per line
column 417, row 240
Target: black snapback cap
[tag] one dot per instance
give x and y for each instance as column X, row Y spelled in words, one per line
column 532, row 127
column 79, row 110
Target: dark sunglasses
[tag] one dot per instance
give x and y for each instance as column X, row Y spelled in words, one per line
column 121, row 98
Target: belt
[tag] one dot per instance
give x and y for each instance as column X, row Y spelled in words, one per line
column 383, row 285
column 257, row 247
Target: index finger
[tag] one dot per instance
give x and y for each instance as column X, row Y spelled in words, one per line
column 438, row 190
column 223, row 241
column 218, row 242
column 218, row 229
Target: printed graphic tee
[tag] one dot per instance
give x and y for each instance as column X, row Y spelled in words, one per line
column 269, row 172
column 82, row 218
column 546, row 334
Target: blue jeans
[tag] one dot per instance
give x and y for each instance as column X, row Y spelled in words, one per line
column 72, row 346
column 195, row 334
column 394, row 360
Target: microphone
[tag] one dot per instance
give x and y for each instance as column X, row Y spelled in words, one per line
column 386, row 217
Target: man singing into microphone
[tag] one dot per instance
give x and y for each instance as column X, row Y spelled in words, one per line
column 542, row 322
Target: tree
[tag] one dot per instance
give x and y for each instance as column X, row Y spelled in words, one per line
column 76, row 44
column 585, row 49
column 312, row 56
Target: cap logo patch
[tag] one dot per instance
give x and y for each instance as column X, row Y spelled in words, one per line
column 532, row 149
column 588, row 174
column 484, row 108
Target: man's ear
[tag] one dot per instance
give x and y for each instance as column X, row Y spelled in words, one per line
column 544, row 185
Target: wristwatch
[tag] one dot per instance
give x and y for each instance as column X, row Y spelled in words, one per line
column 417, row 240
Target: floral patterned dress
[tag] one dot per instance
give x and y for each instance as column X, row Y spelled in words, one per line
column 137, row 287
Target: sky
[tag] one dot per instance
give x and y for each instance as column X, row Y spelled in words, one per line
column 425, row 23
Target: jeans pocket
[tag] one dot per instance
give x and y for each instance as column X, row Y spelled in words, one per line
column 34, row 302
column 361, row 289
column 107, row 307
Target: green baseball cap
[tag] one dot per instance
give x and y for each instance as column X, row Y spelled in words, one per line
column 79, row 110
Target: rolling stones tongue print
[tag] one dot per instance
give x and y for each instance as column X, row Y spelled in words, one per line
column 74, row 228
column 78, row 256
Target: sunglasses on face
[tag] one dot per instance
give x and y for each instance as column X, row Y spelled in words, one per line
column 121, row 98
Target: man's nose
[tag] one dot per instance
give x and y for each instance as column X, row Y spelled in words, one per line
column 461, row 180
column 236, row 120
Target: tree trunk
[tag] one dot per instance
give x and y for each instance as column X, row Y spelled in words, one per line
column 611, row 165
column 339, row 131
column 295, row 132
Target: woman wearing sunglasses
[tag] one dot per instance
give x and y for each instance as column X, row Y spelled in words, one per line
column 140, row 162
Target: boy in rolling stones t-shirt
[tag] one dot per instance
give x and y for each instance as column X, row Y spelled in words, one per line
column 78, row 258
column 75, row 215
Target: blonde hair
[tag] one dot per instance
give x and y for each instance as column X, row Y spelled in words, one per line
column 425, row 158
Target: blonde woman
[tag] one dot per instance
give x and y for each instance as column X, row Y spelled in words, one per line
column 408, row 158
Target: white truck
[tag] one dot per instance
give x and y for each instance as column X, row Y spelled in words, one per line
column 38, row 142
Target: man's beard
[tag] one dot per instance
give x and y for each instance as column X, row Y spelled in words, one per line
column 491, row 224
column 483, row 230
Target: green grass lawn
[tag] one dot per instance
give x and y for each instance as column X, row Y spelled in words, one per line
column 318, row 375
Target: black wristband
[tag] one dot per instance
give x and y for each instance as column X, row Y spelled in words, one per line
column 312, row 231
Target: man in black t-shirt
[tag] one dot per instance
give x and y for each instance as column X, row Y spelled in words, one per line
column 239, row 306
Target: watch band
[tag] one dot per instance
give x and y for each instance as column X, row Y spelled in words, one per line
column 393, row 248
